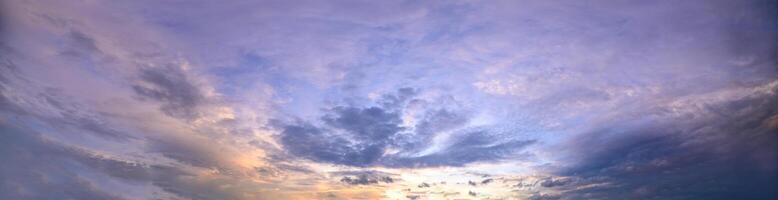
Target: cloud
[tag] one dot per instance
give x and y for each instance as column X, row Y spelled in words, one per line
column 554, row 182
column 171, row 86
column 365, row 180
column 310, row 142
column 72, row 115
column 681, row 156
column 82, row 45
column 366, row 124
column 360, row 136
column 37, row 169
column 50, row 130
column 351, row 136
column 144, row 99
column 365, row 177
column 53, row 106
column 539, row 196
column 41, row 168
column 432, row 122
column 470, row 147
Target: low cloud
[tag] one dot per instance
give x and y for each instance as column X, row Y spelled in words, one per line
column 365, row 177
column 677, row 157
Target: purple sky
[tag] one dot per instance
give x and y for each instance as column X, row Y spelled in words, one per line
column 174, row 99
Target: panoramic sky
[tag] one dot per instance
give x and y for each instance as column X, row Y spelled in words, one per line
column 517, row 99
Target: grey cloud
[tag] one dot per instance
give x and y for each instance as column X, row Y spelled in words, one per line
column 440, row 120
column 353, row 136
column 8, row 71
column 44, row 169
column 365, row 180
column 366, row 124
column 358, row 136
column 487, row 181
column 313, row 143
column 81, row 45
column 554, row 182
column 171, row 86
column 539, row 196
column 183, row 151
column 36, row 169
column 574, row 60
column 398, row 99
column 59, row 110
column 727, row 151
column 471, row 147
column 434, row 121
column 365, row 177
column 78, row 117
column 282, row 169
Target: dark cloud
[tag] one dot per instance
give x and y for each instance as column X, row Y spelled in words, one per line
column 37, row 169
column 365, row 180
column 171, row 86
column 471, row 183
column 398, row 99
column 539, row 196
column 365, row 177
column 45, row 169
column 361, row 180
column 80, row 45
column 359, row 136
column 554, row 182
column 316, row 144
column 365, row 124
column 724, row 151
column 353, row 136
column 487, row 181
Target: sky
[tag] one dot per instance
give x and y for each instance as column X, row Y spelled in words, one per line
column 517, row 99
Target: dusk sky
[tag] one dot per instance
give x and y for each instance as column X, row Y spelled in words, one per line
column 457, row 99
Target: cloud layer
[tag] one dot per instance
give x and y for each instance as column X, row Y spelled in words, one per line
column 388, row 100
